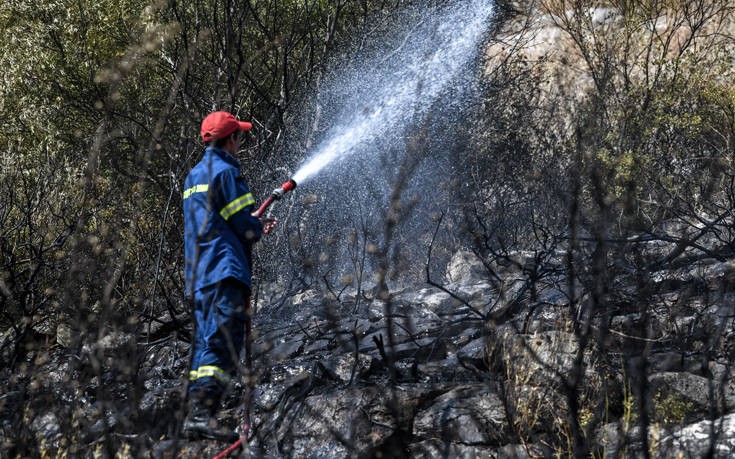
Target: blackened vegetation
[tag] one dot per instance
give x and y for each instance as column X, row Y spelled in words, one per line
column 572, row 296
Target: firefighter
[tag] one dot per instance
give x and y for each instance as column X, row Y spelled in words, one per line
column 219, row 232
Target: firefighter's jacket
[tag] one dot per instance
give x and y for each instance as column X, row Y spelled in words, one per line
column 219, row 229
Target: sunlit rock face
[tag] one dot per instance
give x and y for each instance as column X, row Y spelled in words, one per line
column 578, row 51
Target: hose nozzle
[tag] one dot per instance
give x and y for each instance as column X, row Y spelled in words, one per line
column 286, row 187
column 275, row 196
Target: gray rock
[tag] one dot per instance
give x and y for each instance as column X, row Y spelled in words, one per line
column 347, row 423
column 113, row 342
column 539, row 358
column 429, row 299
column 614, row 442
column 464, row 265
column 515, row 451
column 446, row 371
column 674, row 361
column 470, row 414
column 477, row 293
column 434, row 448
column 286, row 348
column 45, row 427
column 694, row 440
column 474, row 354
column 692, row 391
column 269, row 394
column 347, row 368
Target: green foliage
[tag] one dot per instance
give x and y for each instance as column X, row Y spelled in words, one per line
column 649, row 127
column 51, row 54
column 619, row 173
column 100, row 103
column 670, row 409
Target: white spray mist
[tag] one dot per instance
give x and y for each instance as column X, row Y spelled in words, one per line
column 393, row 90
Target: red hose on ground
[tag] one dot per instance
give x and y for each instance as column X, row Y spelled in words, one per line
column 233, row 446
column 243, row 440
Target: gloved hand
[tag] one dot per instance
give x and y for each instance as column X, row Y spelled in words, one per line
column 268, row 224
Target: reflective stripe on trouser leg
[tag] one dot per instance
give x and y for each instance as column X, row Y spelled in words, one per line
column 220, row 314
column 210, row 371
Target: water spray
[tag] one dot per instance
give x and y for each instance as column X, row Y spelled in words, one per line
column 277, row 195
column 384, row 98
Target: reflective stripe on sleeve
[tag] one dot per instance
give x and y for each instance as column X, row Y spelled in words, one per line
column 210, row 371
column 237, row 205
column 203, row 188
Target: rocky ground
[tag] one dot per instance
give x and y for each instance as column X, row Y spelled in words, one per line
column 452, row 383
column 472, row 369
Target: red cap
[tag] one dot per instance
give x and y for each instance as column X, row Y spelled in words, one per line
column 218, row 125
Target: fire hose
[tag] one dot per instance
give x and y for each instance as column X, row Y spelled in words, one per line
column 276, row 195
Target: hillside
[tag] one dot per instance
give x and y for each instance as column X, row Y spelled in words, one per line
column 532, row 256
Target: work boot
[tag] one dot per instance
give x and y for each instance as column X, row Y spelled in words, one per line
column 201, row 423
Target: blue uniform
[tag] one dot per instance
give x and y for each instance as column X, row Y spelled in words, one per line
column 219, row 231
